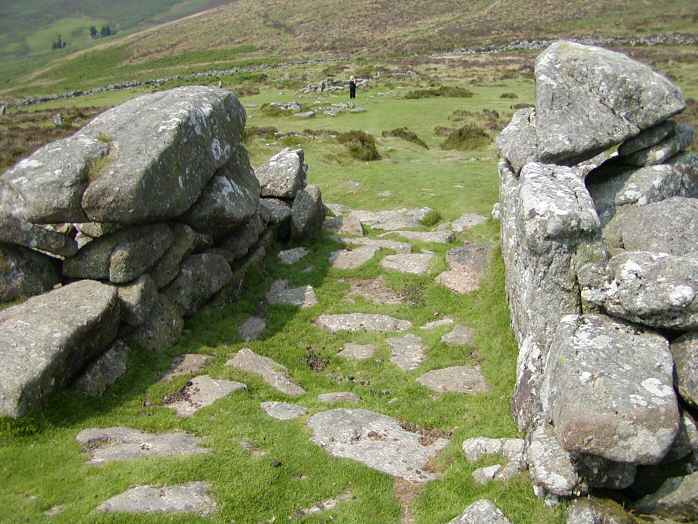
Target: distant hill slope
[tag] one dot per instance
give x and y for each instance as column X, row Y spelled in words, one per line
column 281, row 29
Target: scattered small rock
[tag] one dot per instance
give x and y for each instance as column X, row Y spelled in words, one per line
column 200, row 392
column 291, row 256
column 342, row 396
column 283, row 410
column 481, row 512
column 460, row 336
column 252, row 328
column 357, row 351
column 280, row 294
column 271, row 372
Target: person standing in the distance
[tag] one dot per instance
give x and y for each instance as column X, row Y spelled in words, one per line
column 352, row 88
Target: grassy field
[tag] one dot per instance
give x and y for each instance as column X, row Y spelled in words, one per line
column 40, row 462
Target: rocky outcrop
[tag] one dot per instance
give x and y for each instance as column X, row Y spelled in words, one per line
column 155, row 198
column 47, row 341
column 601, row 267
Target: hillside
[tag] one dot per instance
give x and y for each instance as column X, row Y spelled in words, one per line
column 275, row 30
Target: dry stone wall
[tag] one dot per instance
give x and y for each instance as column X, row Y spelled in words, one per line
column 120, row 231
column 598, row 217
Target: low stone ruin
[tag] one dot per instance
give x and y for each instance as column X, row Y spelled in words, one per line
column 599, row 223
column 332, row 85
column 141, row 218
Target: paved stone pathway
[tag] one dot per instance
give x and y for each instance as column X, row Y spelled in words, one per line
column 407, row 352
column 434, row 237
column 283, row 410
column 466, row 265
column 467, row 221
column 271, row 372
column 481, row 512
column 291, row 256
column 187, row 364
column 352, row 258
column 459, row 336
column 201, row 392
column 456, row 379
column 413, row 263
column 393, row 245
column 357, row 351
column 393, row 219
column 193, row 497
column 362, row 322
column 302, row 297
column 340, row 396
column 117, row 444
column 375, row 440
column 436, row 324
column 374, row 290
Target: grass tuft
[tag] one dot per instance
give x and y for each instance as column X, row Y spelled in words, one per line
column 467, row 138
column 360, row 144
column 406, row 134
column 441, row 91
column 432, row 218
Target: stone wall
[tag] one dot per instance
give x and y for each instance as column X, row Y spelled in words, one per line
column 599, row 227
column 120, row 231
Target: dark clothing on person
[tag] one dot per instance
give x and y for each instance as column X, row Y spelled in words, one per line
column 352, row 89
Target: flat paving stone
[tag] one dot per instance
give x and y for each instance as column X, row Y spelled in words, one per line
column 270, row 371
column 291, row 256
column 119, row 443
column 193, row 497
column 200, row 392
column 352, row 258
column 354, row 322
column 187, row 364
column 459, row 336
column 466, row 265
column 374, row 290
column 340, row 396
column 456, row 379
column 393, row 245
column 344, row 225
column 375, row 440
column 283, row 410
column 393, row 219
column 407, row 352
column 434, row 237
column 353, row 351
column 252, row 328
column 481, row 512
column 436, row 324
column 302, row 297
column 467, row 221
column 486, row 474
column 412, row 263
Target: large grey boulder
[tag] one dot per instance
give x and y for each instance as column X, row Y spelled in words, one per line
column 167, row 268
column 671, row 146
column 589, row 99
column 163, row 150
column 647, row 138
column 162, row 328
column 669, row 226
column 377, row 441
column 610, row 390
column 278, row 210
column 199, row 279
column 25, row 273
column 46, row 341
column 547, row 216
column 283, row 175
column 15, row 229
column 685, row 352
column 597, row 511
column 137, row 300
column 239, row 242
column 230, row 199
column 677, row 498
column 518, row 142
column 307, row 213
column 613, row 186
column 653, row 289
column 104, row 371
column 121, row 257
column 52, row 180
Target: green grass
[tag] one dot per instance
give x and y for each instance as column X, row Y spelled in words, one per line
column 445, row 91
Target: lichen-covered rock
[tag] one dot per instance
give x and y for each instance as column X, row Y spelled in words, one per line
column 595, row 511
column 610, row 390
column 278, row 210
column 104, row 371
column 163, row 150
column 137, row 300
column 600, row 473
column 230, row 199
column 677, row 498
column 193, row 497
column 239, row 242
column 271, row 372
column 613, row 186
column 283, row 175
column 121, row 257
column 686, row 442
column 47, row 340
column 167, row 268
column 653, row 289
column 547, row 216
column 647, row 138
column 685, row 352
column 663, row 151
column 589, row 99
column 307, row 213
column 162, row 328
column 518, row 142
column 25, row 273
column 551, row 468
column 669, row 226
column 481, row 512
column 200, row 278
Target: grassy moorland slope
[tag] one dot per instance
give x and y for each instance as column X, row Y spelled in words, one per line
column 281, row 30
